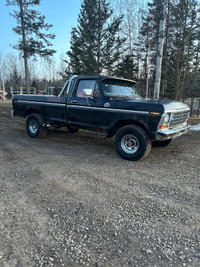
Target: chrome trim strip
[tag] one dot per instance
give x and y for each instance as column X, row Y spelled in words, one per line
column 126, row 111
column 85, row 107
column 109, row 109
column 41, row 103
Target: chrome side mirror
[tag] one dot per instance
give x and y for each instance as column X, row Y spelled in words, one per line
column 88, row 92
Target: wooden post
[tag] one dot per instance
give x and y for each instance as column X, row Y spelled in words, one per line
column 191, row 108
column 4, row 92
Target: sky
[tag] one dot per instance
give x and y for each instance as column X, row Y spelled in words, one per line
column 62, row 14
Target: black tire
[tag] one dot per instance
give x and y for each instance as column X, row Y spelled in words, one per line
column 34, row 126
column 132, row 142
column 72, row 130
column 161, row 143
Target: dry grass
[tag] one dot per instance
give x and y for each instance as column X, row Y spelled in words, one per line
column 6, row 103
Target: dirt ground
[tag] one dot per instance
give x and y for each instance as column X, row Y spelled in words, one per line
column 70, row 200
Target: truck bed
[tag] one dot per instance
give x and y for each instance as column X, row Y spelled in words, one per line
column 52, row 108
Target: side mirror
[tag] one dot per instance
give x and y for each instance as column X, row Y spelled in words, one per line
column 88, row 92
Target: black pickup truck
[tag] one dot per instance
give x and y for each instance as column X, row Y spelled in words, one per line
column 107, row 104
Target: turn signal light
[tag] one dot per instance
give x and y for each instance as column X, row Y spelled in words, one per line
column 155, row 113
column 163, row 127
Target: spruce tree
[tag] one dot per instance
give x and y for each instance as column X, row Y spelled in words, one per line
column 126, row 68
column 95, row 42
column 15, row 78
column 30, row 25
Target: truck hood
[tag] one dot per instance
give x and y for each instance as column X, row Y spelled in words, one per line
column 142, row 104
column 173, row 106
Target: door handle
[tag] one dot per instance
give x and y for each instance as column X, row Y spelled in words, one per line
column 74, row 101
column 106, row 105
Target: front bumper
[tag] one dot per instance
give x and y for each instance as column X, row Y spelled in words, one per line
column 172, row 133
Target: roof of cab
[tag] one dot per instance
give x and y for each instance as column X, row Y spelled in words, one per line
column 102, row 77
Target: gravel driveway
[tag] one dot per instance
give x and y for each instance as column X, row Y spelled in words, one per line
column 69, row 200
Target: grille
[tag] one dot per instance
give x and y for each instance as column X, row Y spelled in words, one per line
column 178, row 118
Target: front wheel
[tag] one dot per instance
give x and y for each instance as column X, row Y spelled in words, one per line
column 34, row 126
column 132, row 142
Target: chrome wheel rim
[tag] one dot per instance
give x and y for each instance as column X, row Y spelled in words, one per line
column 129, row 144
column 33, row 126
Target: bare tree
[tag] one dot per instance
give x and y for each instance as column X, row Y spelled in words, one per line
column 161, row 41
column 131, row 10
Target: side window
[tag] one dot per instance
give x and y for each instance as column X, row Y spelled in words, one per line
column 85, row 84
column 65, row 94
column 97, row 91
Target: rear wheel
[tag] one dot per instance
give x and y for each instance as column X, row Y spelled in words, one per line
column 72, row 129
column 132, row 142
column 34, row 126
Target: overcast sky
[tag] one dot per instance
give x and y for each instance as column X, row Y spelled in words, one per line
column 62, row 14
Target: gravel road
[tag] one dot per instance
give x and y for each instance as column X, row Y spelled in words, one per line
column 69, row 200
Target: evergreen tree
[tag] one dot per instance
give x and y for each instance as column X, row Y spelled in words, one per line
column 33, row 41
column 15, row 78
column 126, row 68
column 95, row 43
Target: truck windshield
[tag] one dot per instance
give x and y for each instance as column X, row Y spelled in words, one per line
column 119, row 88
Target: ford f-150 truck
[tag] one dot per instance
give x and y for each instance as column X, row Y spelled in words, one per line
column 107, row 104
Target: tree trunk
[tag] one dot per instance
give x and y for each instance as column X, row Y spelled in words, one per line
column 161, row 40
column 24, row 48
column 99, row 39
column 147, row 71
column 147, row 62
column 165, row 54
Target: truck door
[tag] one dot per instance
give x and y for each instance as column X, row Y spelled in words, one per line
column 82, row 111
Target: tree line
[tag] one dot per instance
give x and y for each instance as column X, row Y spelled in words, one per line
column 121, row 38
column 42, row 73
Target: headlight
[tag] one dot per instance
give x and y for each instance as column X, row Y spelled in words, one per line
column 166, row 120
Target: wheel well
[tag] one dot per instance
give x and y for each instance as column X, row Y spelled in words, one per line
column 123, row 123
column 30, row 111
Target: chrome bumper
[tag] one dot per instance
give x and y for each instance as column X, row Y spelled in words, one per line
column 172, row 133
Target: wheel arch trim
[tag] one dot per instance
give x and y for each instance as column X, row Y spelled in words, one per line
column 121, row 123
